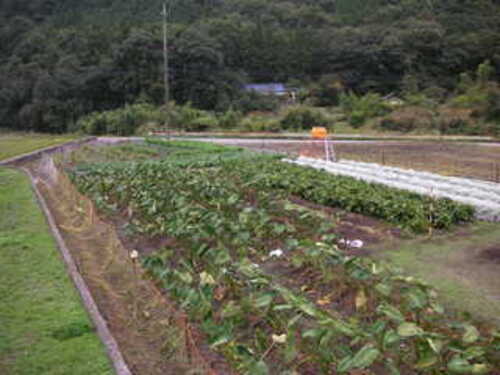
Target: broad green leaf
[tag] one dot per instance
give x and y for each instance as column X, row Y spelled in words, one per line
column 282, row 307
column 345, row 364
column 417, row 298
column 314, row 333
column 294, row 320
column 307, row 308
column 391, row 312
column 384, row 289
column 436, row 345
column 428, row 360
column 409, row 330
column 185, row 277
column 437, row 307
column 390, row 338
column 361, row 360
column 258, row 368
column 263, row 301
column 221, row 340
column 473, row 352
column 230, row 310
column 471, row 334
column 459, row 365
column 365, row 357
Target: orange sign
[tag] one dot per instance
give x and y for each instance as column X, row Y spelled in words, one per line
column 319, row 133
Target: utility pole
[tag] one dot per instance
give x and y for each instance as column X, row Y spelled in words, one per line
column 166, row 15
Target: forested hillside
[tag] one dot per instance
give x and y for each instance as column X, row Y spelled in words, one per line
column 62, row 59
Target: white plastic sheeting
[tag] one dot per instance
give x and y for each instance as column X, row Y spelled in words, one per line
column 484, row 196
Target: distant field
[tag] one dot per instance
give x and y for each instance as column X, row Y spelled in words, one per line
column 13, row 144
column 447, row 158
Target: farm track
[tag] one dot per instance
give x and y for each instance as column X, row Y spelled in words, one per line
column 483, row 195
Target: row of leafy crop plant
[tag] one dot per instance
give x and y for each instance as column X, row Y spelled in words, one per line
column 314, row 310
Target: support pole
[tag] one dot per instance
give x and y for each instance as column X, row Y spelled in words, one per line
column 327, row 151
column 165, row 14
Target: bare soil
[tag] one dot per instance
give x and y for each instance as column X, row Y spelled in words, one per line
column 490, row 254
column 451, row 159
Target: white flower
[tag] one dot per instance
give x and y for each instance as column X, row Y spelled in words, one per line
column 276, row 253
column 357, row 244
column 206, row 279
column 134, row 255
column 279, row 339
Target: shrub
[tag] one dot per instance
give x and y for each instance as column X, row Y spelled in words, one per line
column 361, row 108
column 483, row 100
column 123, row 121
column 230, row 119
column 186, row 117
column 203, row 123
column 420, row 100
column 259, row 123
column 182, row 116
column 326, row 92
column 455, row 121
column 408, row 119
column 492, row 110
column 357, row 119
column 302, row 117
column 474, row 97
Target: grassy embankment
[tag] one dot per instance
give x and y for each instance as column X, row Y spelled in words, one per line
column 462, row 265
column 44, row 328
column 13, row 144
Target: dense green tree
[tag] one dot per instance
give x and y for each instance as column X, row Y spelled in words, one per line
column 62, row 59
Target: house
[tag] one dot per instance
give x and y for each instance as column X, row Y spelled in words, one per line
column 277, row 89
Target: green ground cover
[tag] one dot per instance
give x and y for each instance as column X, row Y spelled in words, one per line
column 44, row 328
column 14, row 144
column 457, row 265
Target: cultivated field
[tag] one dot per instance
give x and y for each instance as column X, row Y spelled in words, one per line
column 480, row 161
column 218, row 260
column 220, row 231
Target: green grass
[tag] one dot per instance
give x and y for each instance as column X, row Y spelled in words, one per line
column 452, row 264
column 44, row 328
column 14, row 144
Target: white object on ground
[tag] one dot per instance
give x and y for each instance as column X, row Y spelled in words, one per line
column 276, row 253
column 356, row 244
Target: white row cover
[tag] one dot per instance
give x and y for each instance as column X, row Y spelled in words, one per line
column 484, row 196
